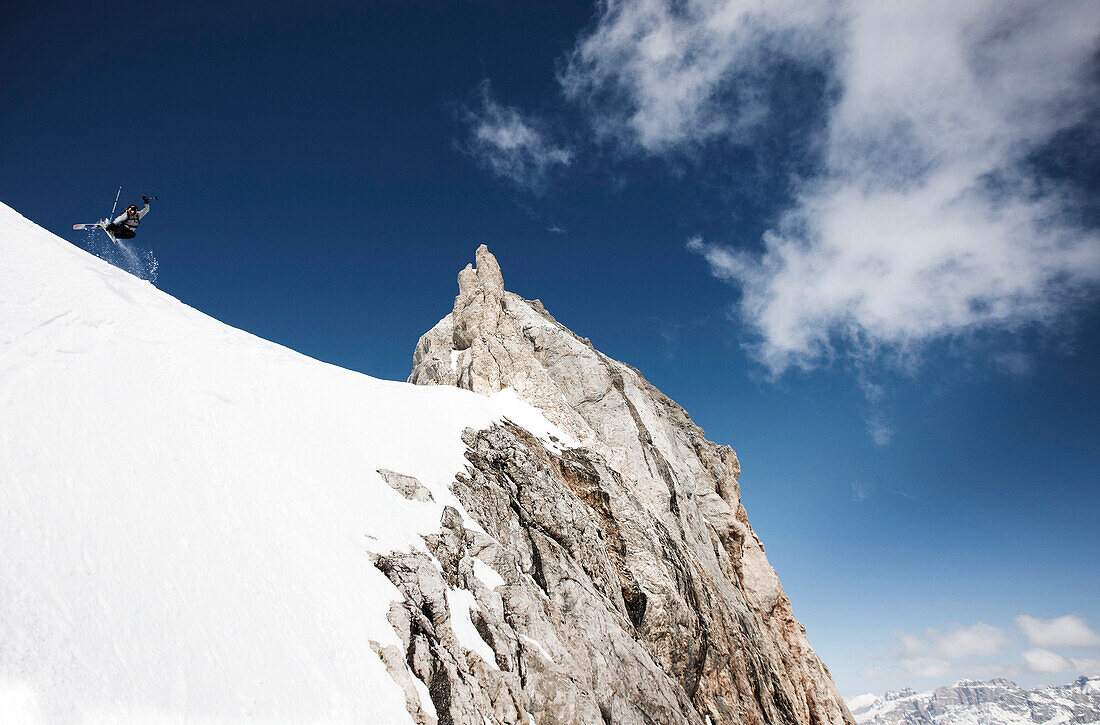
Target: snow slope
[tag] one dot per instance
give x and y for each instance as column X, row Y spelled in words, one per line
column 186, row 510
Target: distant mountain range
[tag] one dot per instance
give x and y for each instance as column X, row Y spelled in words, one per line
column 992, row 702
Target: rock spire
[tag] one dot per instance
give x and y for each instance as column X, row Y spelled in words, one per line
column 633, row 589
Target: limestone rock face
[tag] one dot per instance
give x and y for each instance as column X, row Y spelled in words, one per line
column 626, row 585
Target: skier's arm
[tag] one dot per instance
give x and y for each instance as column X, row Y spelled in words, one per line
column 120, row 218
column 145, row 210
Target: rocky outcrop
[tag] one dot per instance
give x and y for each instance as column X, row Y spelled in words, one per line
column 614, row 581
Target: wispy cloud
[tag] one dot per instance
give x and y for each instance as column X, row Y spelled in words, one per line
column 1066, row 631
column 956, row 641
column 927, row 220
column 924, row 667
column 1042, row 660
column 658, row 75
column 1015, row 363
column 954, row 649
column 870, row 671
column 508, row 143
column 984, row 650
column 920, row 215
column 879, row 428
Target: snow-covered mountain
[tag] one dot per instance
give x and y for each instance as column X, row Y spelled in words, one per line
column 991, row 702
column 199, row 525
column 189, row 511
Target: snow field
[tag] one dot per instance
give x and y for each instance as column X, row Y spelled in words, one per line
column 187, row 510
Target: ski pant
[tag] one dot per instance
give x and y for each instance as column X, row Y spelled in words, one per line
column 120, row 231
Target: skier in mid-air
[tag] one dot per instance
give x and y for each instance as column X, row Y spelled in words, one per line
column 125, row 224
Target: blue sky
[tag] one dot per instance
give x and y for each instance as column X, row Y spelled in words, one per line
column 860, row 248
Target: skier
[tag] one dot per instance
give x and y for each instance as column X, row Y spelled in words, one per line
column 125, row 224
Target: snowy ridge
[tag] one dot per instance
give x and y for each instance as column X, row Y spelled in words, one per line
column 189, row 510
column 992, row 702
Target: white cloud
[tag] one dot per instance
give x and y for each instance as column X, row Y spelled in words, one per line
column 955, row 642
column 980, row 650
column 924, row 222
column 924, row 667
column 936, row 668
column 881, row 431
column 977, row 640
column 975, row 651
column 1042, row 660
column 656, row 75
column 1016, row 364
column 507, row 143
column 1086, row 665
column 1067, row 631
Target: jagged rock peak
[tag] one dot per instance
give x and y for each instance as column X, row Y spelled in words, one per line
column 485, row 344
column 636, row 559
column 487, row 276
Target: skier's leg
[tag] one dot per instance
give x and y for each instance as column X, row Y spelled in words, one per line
column 119, row 231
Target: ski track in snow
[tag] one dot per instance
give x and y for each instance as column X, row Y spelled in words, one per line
column 188, row 509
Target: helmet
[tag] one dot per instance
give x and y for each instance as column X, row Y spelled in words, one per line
column 132, row 207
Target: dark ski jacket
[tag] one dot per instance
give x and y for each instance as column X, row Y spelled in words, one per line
column 130, row 221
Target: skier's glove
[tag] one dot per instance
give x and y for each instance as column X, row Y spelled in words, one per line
column 146, row 200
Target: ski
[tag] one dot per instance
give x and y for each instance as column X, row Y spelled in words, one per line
column 98, row 225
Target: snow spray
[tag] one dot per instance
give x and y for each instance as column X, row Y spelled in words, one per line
column 132, row 258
